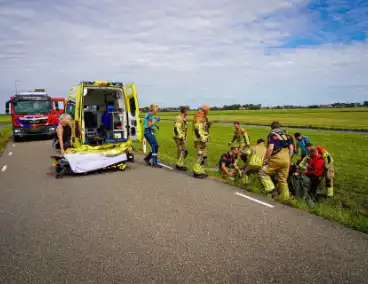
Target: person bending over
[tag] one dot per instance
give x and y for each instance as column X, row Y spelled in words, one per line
column 228, row 163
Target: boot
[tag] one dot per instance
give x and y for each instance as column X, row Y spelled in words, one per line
column 181, row 168
column 200, row 175
column 148, row 163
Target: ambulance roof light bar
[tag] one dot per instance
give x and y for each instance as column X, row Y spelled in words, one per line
column 102, row 83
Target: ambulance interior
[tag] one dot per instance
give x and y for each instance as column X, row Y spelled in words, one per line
column 104, row 117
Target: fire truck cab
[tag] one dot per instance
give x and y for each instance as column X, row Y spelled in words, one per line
column 34, row 113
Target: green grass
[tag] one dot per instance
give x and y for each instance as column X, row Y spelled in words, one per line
column 345, row 118
column 5, row 119
column 5, row 135
column 349, row 150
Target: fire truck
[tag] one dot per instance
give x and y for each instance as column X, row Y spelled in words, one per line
column 34, row 113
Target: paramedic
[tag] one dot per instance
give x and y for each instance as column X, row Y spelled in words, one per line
column 149, row 123
column 180, row 137
column 301, row 142
column 255, row 160
column 315, row 170
column 63, row 139
column 277, row 160
column 228, row 161
column 201, row 136
column 329, row 167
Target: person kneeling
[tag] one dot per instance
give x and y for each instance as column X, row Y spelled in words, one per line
column 228, row 163
column 255, row 161
column 315, row 171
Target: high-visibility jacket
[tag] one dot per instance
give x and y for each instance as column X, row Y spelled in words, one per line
column 241, row 136
column 180, row 127
column 258, row 153
column 326, row 156
column 200, row 127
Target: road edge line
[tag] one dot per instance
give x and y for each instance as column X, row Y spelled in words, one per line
column 253, row 199
column 165, row 166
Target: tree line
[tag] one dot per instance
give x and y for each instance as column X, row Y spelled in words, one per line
column 259, row 106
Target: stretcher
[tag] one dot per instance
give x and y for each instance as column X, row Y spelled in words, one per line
column 63, row 166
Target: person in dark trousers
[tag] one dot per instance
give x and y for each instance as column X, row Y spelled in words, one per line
column 149, row 123
column 315, row 171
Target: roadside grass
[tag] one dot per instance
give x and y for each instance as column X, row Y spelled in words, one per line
column 5, row 136
column 5, row 119
column 339, row 119
column 349, row 150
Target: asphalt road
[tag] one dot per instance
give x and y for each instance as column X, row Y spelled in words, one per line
column 149, row 225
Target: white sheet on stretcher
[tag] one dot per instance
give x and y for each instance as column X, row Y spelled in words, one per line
column 86, row 162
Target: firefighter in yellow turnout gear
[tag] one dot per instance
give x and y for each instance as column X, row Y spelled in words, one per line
column 277, row 160
column 180, row 137
column 201, row 136
column 255, row 161
column 241, row 137
column 329, row 167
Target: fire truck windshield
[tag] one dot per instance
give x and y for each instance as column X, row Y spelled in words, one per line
column 32, row 107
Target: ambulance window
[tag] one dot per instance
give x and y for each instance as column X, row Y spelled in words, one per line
column 132, row 106
column 70, row 109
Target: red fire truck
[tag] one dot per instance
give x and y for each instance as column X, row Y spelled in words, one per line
column 34, row 113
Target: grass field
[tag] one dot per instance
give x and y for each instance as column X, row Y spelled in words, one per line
column 5, row 119
column 346, row 118
column 349, row 150
column 5, row 135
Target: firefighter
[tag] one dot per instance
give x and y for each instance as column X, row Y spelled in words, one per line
column 329, row 167
column 255, row 161
column 277, row 160
column 241, row 137
column 180, row 137
column 201, row 136
column 150, row 122
column 228, row 163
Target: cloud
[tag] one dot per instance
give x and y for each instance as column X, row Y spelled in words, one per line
column 220, row 51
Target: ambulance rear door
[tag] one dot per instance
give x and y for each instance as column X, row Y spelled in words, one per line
column 134, row 125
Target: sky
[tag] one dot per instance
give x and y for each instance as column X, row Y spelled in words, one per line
column 269, row 52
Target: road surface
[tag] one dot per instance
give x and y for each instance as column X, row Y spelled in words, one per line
column 149, row 225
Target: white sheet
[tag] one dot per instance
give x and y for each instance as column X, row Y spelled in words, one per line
column 86, row 162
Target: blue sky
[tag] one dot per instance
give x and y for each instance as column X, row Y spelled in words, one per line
column 194, row 52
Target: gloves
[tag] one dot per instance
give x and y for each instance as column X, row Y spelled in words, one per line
column 158, row 119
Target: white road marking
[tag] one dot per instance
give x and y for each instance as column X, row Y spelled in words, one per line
column 253, row 199
column 4, row 168
column 10, row 153
column 13, row 145
column 165, row 166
